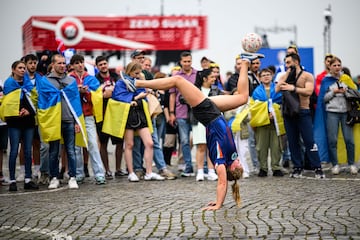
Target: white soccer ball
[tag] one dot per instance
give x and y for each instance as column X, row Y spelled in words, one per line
column 252, row 42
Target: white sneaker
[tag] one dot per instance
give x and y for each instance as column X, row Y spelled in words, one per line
column 73, row 183
column 245, row 175
column 54, row 183
column 353, row 170
column 132, row 177
column 200, row 176
column 20, row 177
column 153, row 176
column 212, row 176
column 335, row 170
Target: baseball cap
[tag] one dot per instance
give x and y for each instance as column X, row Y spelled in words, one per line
column 137, row 52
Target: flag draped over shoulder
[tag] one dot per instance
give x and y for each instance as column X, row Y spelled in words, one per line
column 49, row 110
column 261, row 105
column 13, row 94
column 320, row 131
column 96, row 96
column 116, row 116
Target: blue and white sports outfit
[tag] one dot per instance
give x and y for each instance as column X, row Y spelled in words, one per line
column 219, row 138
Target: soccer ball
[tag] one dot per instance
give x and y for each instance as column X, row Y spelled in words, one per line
column 252, row 42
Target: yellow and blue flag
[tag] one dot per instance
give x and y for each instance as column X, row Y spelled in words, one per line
column 13, row 94
column 49, row 110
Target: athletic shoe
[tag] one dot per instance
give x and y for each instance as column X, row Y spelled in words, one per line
column 44, row 178
column 353, row 170
column 72, row 183
column 185, row 174
column 319, row 174
column 12, row 187
column 100, row 180
column 167, row 174
column 245, row 175
column 129, row 82
column 251, row 56
column 54, row 183
column 153, row 176
column 296, row 173
column 121, row 173
column 335, row 170
column 132, row 177
column 108, row 175
column 278, row 173
column 262, row 173
column 30, row 186
column 200, row 176
column 212, row 176
column 80, row 179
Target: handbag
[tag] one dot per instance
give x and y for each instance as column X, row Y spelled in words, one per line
column 353, row 101
column 154, row 105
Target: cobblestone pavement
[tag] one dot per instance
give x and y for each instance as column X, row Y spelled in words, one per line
column 272, row 208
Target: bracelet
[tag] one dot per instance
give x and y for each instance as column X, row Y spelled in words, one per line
column 172, row 112
column 294, row 89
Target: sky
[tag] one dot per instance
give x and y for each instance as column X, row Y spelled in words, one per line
column 228, row 22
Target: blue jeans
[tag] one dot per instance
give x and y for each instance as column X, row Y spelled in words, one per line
column 332, row 126
column 44, row 157
column 15, row 135
column 93, row 150
column 138, row 152
column 184, row 128
column 302, row 125
column 68, row 134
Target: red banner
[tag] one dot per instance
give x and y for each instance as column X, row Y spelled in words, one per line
column 116, row 33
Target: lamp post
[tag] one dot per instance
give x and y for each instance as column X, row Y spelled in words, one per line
column 327, row 32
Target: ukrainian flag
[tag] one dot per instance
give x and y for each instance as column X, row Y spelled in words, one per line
column 49, row 110
column 96, row 96
column 13, row 94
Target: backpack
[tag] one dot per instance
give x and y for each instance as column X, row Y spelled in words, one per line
column 353, row 101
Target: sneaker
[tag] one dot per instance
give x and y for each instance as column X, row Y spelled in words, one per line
column 4, row 181
column 212, row 176
column 353, row 170
column 100, row 180
column 200, row 176
column 121, row 173
column 245, row 175
column 80, row 179
column 54, row 183
column 297, row 173
column 12, row 187
column 319, row 174
column 20, row 177
column 153, row 176
column 185, row 174
column 262, row 173
column 251, row 56
column 132, row 177
column 108, row 175
column 44, row 178
column 335, row 170
column 30, row 186
column 278, row 173
column 72, row 183
column 129, row 82
column 167, row 174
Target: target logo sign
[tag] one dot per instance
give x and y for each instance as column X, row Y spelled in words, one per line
column 70, row 30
